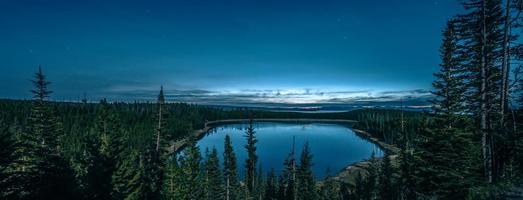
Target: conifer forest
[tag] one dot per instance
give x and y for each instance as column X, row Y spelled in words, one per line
column 464, row 142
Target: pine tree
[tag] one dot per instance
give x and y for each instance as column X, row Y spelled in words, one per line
column 372, row 178
column 39, row 170
column 407, row 180
column 305, row 178
column 172, row 181
column 359, row 189
column 330, row 190
column 448, row 86
column 230, row 173
column 213, row 177
column 260, row 185
column 289, row 177
column 386, row 180
column 103, row 165
column 271, row 187
column 161, row 123
column 6, row 158
column 482, row 33
column 155, row 153
column 252, row 158
column 190, row 165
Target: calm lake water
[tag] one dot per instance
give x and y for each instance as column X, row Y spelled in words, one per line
column 333, row 146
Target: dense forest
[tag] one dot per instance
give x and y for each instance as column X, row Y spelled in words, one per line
column 469, row 146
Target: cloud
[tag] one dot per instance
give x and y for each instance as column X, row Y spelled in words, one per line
column 279, row 97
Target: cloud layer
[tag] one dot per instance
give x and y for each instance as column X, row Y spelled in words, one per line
column 279, row 97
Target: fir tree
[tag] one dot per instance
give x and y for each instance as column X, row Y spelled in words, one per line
column 372, row 178
column 103, row 165
column 39, row 169
column 330, row 190
column 359, row 187
column 172, row 181
column 482, row 33
column 190, row 166
column 6, row 158
column 445, row 161
column 289, row 177
column 161, row 123
column 271, row 188
column 230, row 173
column 252, row 158
column 386, row 180
column 213, row 177
column 448, row 86
column 407, row 180
column 305, row 178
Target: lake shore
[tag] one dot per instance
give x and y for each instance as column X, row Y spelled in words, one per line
column 178, row 145
column 349, row 173
column 345, row 175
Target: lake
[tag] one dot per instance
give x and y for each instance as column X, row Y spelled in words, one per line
column 333, row 146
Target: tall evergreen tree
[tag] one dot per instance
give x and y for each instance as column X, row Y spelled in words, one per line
column 386, row 180
column 230, row 172
column 213, row 177
column 104, row 161
column 306, row 187
column 330, row 190
column 271, row 188
column 407, row 180
column 39, row 169
column 191, row 171
column 6, row 157
column 482, row 34
column 448, row 86
column 161, row 123
column 359, row 187
column 252, row 158
column 289, row 177
column 372, row 178
column 172, row 181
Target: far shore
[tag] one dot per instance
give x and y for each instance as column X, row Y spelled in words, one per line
column 177, row 145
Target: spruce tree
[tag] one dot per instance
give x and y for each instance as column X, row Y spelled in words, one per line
column 252, row 158
column 39, row 169
column 230, row 171
column 191, row 171
column 213, row 177
column 445, row 148
column 289, row 177
column 359, row 187
column 482, row 34
column 101, row 169
column 271, row 187
column 6, row 158
column 372, row 178
column 173, row 181
column 306, row 188
column 330, row 188
column 449, row 88
column 161, row 124
column 386, row 180
column 446, row 159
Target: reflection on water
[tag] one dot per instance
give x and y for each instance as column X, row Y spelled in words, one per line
column 333, row 146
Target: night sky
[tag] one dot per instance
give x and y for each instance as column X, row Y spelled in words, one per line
column 224, row 52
